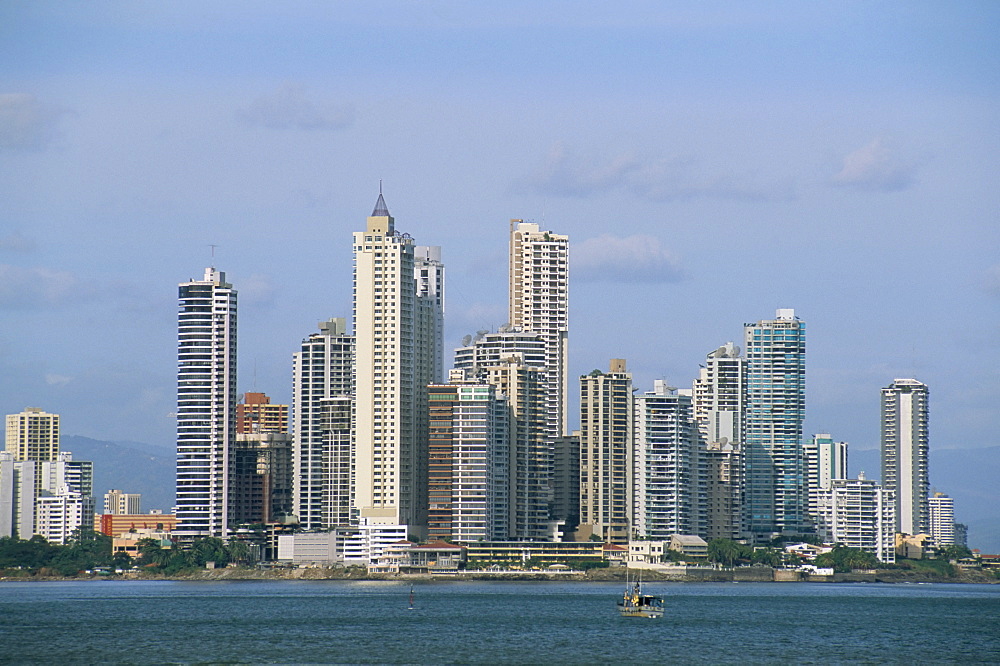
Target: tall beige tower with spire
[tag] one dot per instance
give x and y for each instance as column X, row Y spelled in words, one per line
column 538, row 301
column 395, row 343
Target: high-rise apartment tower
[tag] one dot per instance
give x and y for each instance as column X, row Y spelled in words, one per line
column 394, row 363
column 538, row 301
column 774, row 409
column 904, row 452
column 206, row 404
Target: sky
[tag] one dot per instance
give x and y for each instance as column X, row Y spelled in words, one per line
column 711, row 162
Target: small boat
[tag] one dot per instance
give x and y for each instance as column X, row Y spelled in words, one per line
column 636, row 604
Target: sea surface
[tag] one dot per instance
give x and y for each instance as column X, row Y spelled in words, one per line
column 319, row 622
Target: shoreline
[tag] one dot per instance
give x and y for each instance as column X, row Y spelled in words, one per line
column 738, row 575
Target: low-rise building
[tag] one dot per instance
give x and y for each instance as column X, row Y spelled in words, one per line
column 689, row 544
column 915, row 546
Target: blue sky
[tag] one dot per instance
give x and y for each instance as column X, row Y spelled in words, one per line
column 711, row 162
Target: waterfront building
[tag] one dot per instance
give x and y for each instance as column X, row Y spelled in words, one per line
column 538, row 301
column 117, row 502
column 722, row 473
column 904, row 452
column 824, row 460
column 718, row 396
column 206, row 404
column 261, row 480
column 529, row 489
column 393, row 365
column 513, row 361
column 941, row 519
column 59, row 515
column 33, row 434
column 774, row 409
column 17, row 496
column 323, row 428
column 858, row 513
column 120, row 523
column 257, row 414
column 668, row 495
column 606, row 456
column 469, row 462
column 718, row 411
column 566, row 484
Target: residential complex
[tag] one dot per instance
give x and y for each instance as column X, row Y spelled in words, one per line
column 904, row 452
column 774, row 409
column 206, row 404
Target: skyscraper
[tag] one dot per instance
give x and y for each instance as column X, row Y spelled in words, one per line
column 469, row 462
column 323, row 412
column 538, row 302
column 393, row 365
column 119, row 503
column 718, row 409
column 606, row 464
column 668, row 495
column 858, row 513
column 33, row 435
column 206, row 404
column 824, row 460
column 904, row 452
column 774, row 409
column 941, row 517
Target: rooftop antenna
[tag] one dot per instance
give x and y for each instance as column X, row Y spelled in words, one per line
column 254, row 374
column 213, row 251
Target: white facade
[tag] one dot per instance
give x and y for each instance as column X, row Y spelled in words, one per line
column 538, row 301
column 206, row 404
column 17, row 496
column 718, row 395
column 365, row 544
column 941, row 512
column 904, row 452
column 58, row 516
column 668, row 493
column 119, row 503
column 858, row 513
column 824, row 461
column 323, row 428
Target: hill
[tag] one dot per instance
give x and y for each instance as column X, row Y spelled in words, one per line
column 132, row 467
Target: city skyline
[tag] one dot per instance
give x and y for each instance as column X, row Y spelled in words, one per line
column 849, row 179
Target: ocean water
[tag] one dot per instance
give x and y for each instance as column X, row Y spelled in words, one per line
column 119, row 622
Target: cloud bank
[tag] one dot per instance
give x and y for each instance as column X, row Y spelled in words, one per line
column 638, row 258
column 655, row 178
column 26, row 123
column 35, row 287
column 877, row 166
column 289, row 108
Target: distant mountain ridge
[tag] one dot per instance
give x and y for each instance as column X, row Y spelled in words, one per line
column 968, row 475
column 132, row 467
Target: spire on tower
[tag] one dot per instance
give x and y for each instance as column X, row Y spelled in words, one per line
column 381, row 210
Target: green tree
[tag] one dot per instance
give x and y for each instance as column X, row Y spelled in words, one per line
column 767, row 556
column 727, row 552
column 843, row 559
column 954, row 552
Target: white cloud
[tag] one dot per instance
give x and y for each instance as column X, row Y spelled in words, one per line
column 656, row 178
column 288, row 108
column 638, row 258
column 57, row 380
column 26, row 123
column 876, row 166
column 34, row 287
column 990, row 280
column 256, row 289
column 17, row 242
